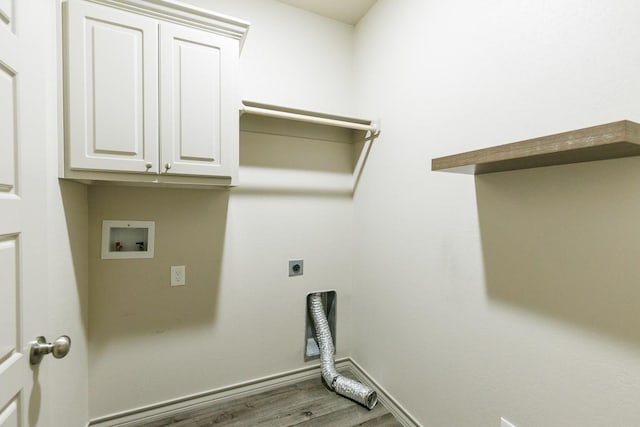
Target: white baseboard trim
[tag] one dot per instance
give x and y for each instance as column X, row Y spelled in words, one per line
column 174, row 406
column 398, row 411
column 163, row 409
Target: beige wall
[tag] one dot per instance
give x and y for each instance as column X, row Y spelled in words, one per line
column 514, row 294
column 240, row 316
column 68, row 297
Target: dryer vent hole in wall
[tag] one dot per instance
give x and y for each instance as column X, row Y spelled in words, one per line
column 330, row 303
column 342, row 385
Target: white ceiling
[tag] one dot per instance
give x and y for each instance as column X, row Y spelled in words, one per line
column 347, row 11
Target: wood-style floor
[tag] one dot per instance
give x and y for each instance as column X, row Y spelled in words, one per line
column 307, row 403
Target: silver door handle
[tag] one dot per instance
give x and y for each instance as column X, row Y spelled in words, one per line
column 40, row 347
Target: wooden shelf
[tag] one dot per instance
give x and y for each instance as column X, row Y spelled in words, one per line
column 608, row 141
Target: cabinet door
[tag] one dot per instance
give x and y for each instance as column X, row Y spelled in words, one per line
column 198, row 109
column 112, row 83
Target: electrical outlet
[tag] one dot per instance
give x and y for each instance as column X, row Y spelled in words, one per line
column 178, row 275
column 296, row 267
column 505, row 423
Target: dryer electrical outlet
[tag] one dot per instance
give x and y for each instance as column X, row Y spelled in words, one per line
column 296, row 267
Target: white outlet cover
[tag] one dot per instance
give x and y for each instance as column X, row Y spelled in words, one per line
column 505, row 423
column 178, row 275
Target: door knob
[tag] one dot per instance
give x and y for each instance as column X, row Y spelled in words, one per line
column 40, row 347
column 167, row 166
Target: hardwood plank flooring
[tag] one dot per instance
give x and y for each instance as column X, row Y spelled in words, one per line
column 307, row 403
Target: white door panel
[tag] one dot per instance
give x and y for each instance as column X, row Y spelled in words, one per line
column 8, row 298
column 8, row 114
column 7, row 128
column 6, row 14
column 113, row 114
column 12, row 372
column 9, row 415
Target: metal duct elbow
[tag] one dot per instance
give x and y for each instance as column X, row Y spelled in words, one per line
column 342, row 385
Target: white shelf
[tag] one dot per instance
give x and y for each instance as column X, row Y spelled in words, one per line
column 310, row 117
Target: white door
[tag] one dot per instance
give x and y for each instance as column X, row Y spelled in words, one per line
column 198, row 109
column 23, row 263
column 13, row 360
column 113, row 89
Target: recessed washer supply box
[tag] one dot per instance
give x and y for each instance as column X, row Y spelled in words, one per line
column 127, row 239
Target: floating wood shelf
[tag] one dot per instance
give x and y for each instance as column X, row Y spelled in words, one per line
column 609, row 141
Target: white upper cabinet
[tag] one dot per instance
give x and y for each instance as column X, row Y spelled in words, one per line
column 150, row 93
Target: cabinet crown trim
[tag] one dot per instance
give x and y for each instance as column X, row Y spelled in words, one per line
column 184, row 14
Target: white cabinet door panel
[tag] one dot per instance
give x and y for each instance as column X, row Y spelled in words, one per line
column 198, row 100
column 199, row 118
column 113, row 89
column 117, row 119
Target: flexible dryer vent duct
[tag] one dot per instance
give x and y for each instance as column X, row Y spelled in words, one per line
column 340, row 384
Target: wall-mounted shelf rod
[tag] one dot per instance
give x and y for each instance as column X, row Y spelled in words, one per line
column 309, row 117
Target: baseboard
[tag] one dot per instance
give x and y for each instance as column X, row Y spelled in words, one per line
column 160, row 410
column 163, row 409
column 398, row 411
